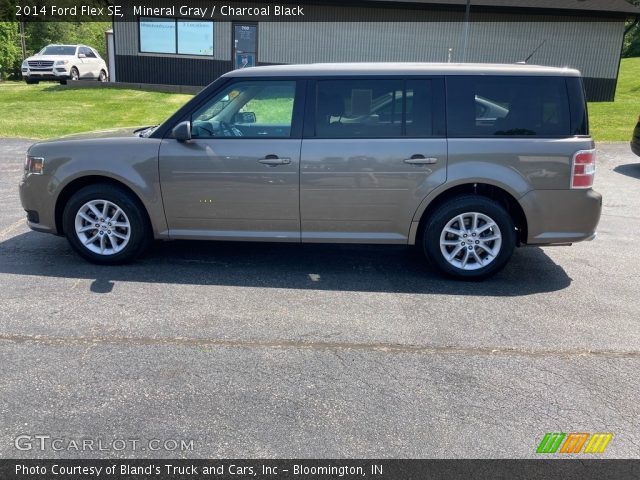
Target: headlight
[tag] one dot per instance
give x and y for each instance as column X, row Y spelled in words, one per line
column 25, row 64
column 34, row 165
column 62, row 62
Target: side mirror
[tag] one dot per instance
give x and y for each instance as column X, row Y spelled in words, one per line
column 82, row 55
column 182, row 131
column 244, row 118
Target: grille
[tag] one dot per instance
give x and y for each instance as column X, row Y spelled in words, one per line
column 40, row 63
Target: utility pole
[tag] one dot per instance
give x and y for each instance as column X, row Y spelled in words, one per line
column 22, row 41
column 466, row 31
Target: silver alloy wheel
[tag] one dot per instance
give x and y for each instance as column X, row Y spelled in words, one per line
column 74, row 74
column 103, row 76
column 103, row 227
column 470, row 241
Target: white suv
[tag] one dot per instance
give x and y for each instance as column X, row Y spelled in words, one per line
column 64, row 62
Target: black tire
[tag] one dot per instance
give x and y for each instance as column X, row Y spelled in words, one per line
column 74, row 74
column 140, row 230
column 449, row 211
column 103, row 76
column 63, row 82
column 32, row 82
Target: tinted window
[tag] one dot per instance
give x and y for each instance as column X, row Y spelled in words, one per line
column 578, row 103
column 486, row 106
column 58, row 50
column 359, row 108
column 87, row 52
column 258, row 109
column 425, row 115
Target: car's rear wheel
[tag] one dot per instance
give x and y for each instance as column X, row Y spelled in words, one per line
column 103, row 76
column 105, row 224
column 469, row 237
column 74, row 74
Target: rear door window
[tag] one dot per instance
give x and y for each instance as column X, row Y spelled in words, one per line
column 507, row 106
column 378, row 108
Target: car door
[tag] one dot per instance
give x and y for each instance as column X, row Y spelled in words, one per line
column 238, row 177
column 83, row 64
column 93, row 63
column 377, row 150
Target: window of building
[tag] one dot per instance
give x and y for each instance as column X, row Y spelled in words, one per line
column 183, row 37
column 361, row 108
column 251, row 109
column 490, row 106
column 195, row 37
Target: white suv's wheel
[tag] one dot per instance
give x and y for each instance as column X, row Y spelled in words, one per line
column 470, row 237
column 105, row 224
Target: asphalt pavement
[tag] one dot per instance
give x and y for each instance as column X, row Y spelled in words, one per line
column 275, row 350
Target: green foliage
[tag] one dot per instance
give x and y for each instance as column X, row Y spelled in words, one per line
column 631, row 47
column 614, row 121
column 40, row 34
column 10, row 54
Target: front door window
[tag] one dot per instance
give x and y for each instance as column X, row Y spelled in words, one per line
column 251, row 109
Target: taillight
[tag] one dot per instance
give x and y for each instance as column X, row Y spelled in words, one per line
column 583, row 169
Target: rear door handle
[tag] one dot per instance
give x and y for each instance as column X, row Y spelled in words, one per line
column 420, row 160
column 274, row 161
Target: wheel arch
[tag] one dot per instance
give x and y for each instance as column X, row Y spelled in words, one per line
column 492, row 191
column 79, row 183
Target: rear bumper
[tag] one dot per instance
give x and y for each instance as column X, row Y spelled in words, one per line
column 561, row 216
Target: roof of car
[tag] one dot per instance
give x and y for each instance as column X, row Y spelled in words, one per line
column 340, row 69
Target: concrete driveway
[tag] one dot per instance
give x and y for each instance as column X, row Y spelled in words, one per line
column 264, row 350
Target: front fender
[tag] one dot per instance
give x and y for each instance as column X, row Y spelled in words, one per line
column 132, row 162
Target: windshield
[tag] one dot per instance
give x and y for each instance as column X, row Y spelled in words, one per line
column 58, row 50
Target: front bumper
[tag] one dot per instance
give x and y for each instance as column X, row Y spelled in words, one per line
column 561, row 216
column 54, row 73
column 38, row 204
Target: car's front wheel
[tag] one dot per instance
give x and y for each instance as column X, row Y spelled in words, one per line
column 30, row 81
column 469, row 237
column 74, row 74
column 103, row 76
column 105, row 224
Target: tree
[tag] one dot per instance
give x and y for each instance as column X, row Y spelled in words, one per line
column 10, row 54
column 631, row 47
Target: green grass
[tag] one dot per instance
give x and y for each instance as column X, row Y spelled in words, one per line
column 48, row 110
column 614, row 121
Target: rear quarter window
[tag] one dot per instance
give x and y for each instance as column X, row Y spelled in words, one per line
column 508, row 106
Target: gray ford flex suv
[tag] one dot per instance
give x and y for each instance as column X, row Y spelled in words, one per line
column 465, row 161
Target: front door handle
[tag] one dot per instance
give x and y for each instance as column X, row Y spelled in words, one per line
column 420, row 160
column 274, row 161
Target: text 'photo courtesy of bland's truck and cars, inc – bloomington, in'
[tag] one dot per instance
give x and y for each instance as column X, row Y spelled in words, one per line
column 361, row 239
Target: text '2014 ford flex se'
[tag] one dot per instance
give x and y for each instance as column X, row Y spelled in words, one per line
column 466, row 161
